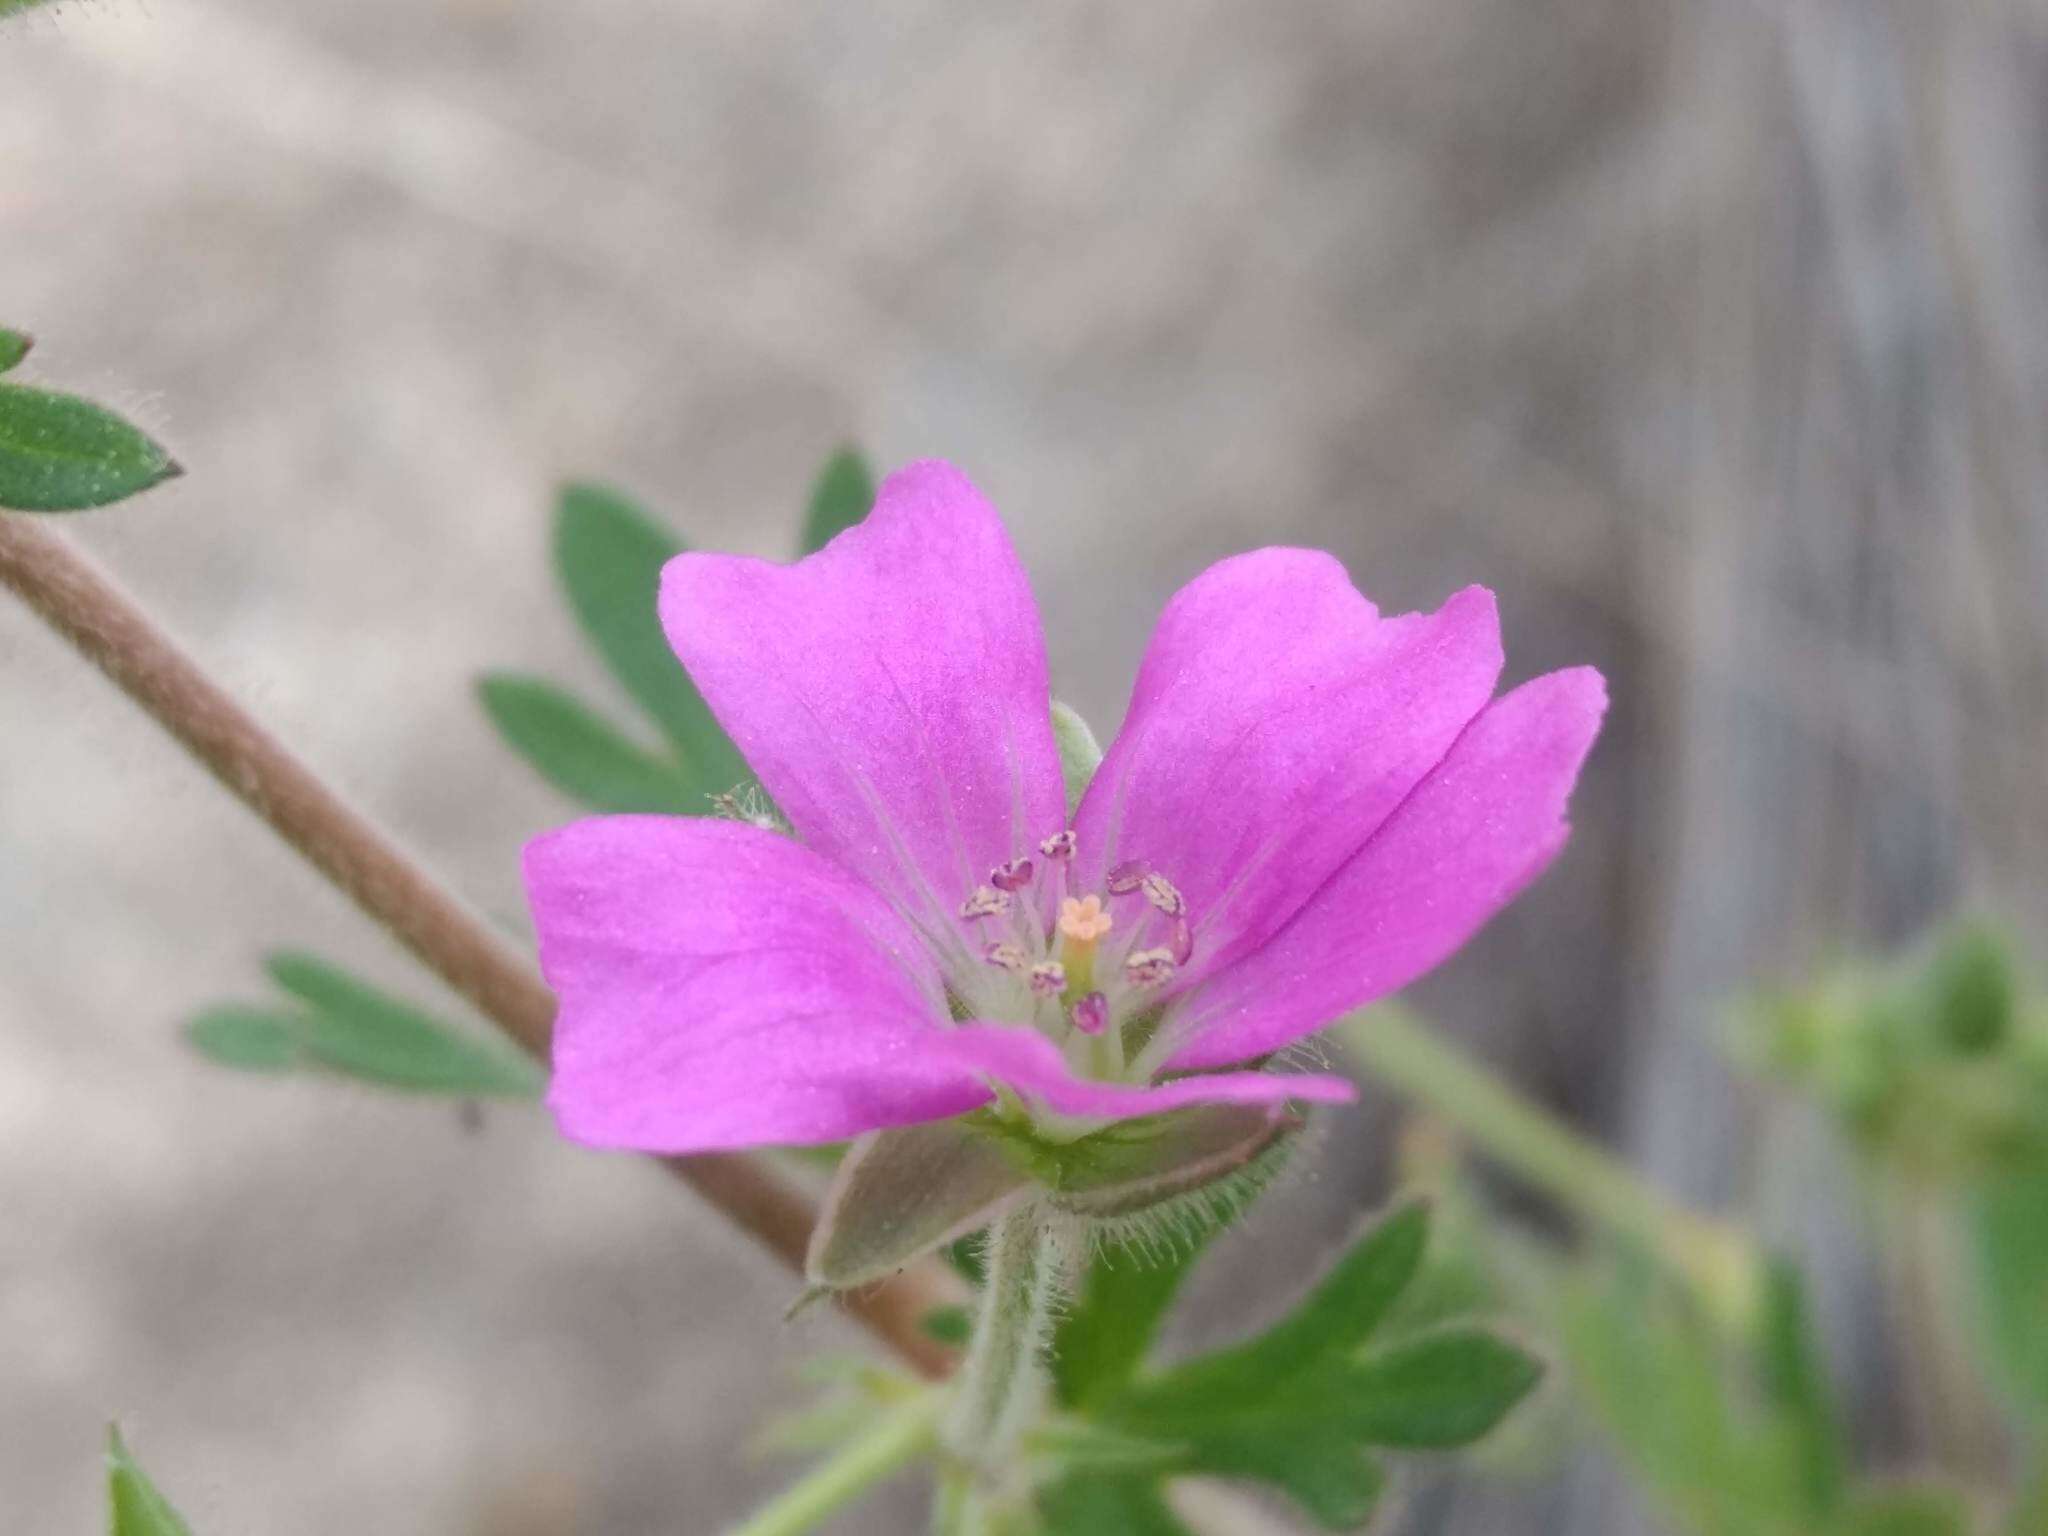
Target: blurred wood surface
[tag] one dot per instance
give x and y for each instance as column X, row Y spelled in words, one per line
column 1713, row 335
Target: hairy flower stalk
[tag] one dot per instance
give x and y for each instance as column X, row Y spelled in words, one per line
column 1000, row 1385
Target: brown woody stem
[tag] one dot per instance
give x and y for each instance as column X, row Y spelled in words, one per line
column 83, row 605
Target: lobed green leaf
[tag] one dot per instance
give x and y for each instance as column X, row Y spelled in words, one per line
column 60, row 453
column 1338, row 1314
column 580, row 753
column 1300, row 1408
column 1118, row 1308
column 1091, row 1504
column 1433, row 1391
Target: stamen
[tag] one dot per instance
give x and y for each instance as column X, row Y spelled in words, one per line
column 1013, row 876
column 1008, row 956
column 1163, row 894
column 1086, row 920
column 1126, row 877
column 1090, row 1013
column 1048, row 978
column 1059, row 846
column 1183, row 941
column 985, row 902
column 1149, row 967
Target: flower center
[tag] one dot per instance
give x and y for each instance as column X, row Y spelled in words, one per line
column 1050, row 961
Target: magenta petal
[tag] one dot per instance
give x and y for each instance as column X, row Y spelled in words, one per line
column 1277, row 720
column 722, row 986
column 889, row 690
column 1031, row 1064
column 1477, row 831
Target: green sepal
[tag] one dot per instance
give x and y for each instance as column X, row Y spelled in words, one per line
column 581, row 754
column 899, row 1194
column 1080, row 753
column 840, row 497
column 134, row 1506
column 14, row 345
column 1136, row 1166
column 61, row 453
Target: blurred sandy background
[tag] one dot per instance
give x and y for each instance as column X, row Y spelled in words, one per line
column 1714, row 336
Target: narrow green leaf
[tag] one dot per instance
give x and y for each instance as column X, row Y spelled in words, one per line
column 1433, row 1391
column 249, row 1039
column 59, row 453
column 359, row 1031
column 903, row 1192
column 1338, row 1315
column 840, row 497
column 1096, row 1505
column 135, row 1507
column 580, row 753
column 609, row 555
column 1080, row 752
column 1795, row 1384
column 14, row 345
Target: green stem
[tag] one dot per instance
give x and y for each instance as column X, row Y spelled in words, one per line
column 956, row 1508
column 1399, row 1048
column 1001, row 1383
column 905, row 1432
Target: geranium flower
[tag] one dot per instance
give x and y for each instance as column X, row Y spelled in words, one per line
column 1308, row 806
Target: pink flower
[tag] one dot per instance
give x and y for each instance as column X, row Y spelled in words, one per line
column 1308, row 806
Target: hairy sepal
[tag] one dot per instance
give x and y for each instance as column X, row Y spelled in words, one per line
column 899, row 1194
